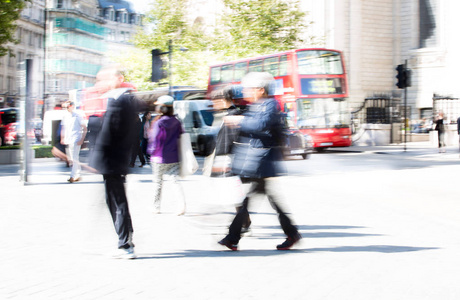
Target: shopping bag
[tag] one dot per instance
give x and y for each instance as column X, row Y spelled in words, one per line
column 222, row 166
column 187, row 161
column 208, row 162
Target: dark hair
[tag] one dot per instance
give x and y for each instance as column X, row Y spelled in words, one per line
column 228, row 93
column 167, row 110
column 144, row 116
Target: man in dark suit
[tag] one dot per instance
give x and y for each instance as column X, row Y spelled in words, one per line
column 112, row 153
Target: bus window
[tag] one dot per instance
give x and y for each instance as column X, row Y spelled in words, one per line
column 283, row 65
column 322, row 113
column 256, row 65
column 313, row 62
column 215, row 75
column 289, row 114
column 271, row 65
column 226, row 73
column 240, row 70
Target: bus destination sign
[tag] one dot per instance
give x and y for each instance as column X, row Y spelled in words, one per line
column 321, row 86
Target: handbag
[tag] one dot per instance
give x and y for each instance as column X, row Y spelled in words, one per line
column 247, row 160
column 187, row 161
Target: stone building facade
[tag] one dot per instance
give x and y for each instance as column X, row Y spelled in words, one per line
column 68, row 42
column 378, row 35
column 30, row 33
column 80, row 34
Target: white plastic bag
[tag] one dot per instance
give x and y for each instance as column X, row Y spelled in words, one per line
column 187, row 160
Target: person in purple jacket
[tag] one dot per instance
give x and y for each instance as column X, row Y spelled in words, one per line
column 163, row 147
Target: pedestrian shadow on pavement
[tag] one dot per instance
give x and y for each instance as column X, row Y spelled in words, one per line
column 65, row 183
column 373, row 248
column 306, row 231
column 274, row 252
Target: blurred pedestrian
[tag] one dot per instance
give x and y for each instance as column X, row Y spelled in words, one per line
column 111, row 155
column 256, row 154
column 146, row 127
column 441, row 132
column 226, row 136
column 458, row 130
column 73, row 135
column 137, row 141
column 164, row 152
column 94, row 126
column 58, row 149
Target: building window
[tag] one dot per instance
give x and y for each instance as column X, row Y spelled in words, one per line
column 1, row 83
column 22, row 33
column 20, row 58
column 31, row 38
column 41, row 16
column 111, row 35
column 59, row 3
column 112, row 15
column 10, row 83
column 54, row 85
column 10, row 59
column 39, row 41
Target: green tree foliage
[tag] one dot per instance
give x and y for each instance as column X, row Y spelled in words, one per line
column 10, row 11
column 166, row 21
column 257, row 27
column 246, row 28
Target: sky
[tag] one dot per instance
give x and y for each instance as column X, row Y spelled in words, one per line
column 141, row 5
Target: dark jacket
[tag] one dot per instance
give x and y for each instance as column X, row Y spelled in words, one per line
column 227, row 135
column 261, row 128
column 111, row 153
column 440, row 125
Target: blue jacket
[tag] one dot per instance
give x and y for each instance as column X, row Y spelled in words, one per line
column 261, row 128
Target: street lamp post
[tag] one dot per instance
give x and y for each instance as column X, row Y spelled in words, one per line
column 170, row 73
column 170, row 50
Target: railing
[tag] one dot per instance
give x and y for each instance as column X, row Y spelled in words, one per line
column 448, row 105
column 378, row 109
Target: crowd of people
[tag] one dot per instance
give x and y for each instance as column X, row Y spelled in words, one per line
column 248, row 138
column 247, row 149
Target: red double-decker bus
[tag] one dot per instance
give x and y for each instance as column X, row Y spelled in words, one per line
column 311, row 87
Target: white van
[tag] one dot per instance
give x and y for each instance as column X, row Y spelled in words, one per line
column 197, row 118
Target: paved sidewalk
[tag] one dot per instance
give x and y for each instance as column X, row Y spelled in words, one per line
column 396, row 237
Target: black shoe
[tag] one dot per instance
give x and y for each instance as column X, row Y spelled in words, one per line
column 228, row 244
column 289, row 242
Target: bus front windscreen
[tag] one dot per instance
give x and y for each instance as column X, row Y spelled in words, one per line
column 318, row 62
column 322, row 113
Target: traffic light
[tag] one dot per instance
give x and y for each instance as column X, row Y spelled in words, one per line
column 401, row 76
column 404, row 77
column 158, row 71
column 408, row 77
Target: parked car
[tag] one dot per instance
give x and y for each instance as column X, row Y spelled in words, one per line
column 197, row 118
column 37, row 126
column 297, row 143
column 8, row 123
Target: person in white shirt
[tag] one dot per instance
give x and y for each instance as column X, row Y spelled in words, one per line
column 73, row 135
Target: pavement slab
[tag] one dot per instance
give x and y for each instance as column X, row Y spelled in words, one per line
column 383, row 234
